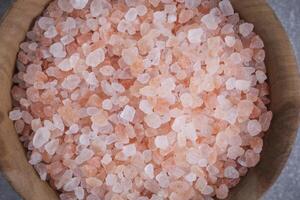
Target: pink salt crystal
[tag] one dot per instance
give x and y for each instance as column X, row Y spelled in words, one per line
column 151, row 186
column 190, row 177
column 195, row 35
column 242, row 85
column 45, row 22
column 245, row 29
column 67, row 39
column 65, row 65
column 265, row 120
column 19, row 126
column 79, row 193
column 254, row 127
column 51, row 32
column 65, row 5
column 230, row 41
column 234, row 152
column 78, row 4
column 71, row 82
column 231, row 172
column 130, row 55
column 117, row 87
column 129, row 150
column 107, row 70
column 95, row 58
column 226, row 7
column 128, row 113
column 185, row 16
column 35, row 158
column 192, row 3
column 110, row 179
column 143, row 78
column 222, row 191
column 71, row 184
column 256, row 43
column 15, row 115
column 210, row 21
column 117, row 188
column 131, row 14
column 92, row 24
column 84, row 140
column 161, row 142
column 52, row 146
column 83, row 156
column 260, row 76
column 93, row 182
column 149, row 171
column 235, row 58
column 145, row 106
column 153, row 120
column 41, row 136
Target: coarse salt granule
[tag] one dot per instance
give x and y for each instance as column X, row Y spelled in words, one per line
column 141, row 99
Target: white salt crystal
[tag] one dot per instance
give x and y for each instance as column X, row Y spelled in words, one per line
column 84, row 139
column 163, row 179
column 117, row 87
column 129, row 55
column 129, row 150
column 153, row 120
column 234, row 151
column 79, row 193
column 235, row 58
column 245, row 29
column 192, row 3
column 71, row 82
column 65, row 5
column 95, row 58
column 230, row 41
column 52, row 146
column 35, row 158
column 186, row 100
column 190, row 177
column 57, row 50
column 189, row 131
column 110, row 179
column 231, row 172
column 51, row 32
column 195, row 35
column 79, row 4
column 141, row 10
column 242, row 85
column 161, row 142
column 65, row 65
column 71, row 184
column 145, row 106
column 67, row 39
column 106, row 159
column 143, row 78
column 193, row 156
column 168, row 84
column 222, row 191
column 149, row 170
column 117, row 188
column 128, row 113
column 226, row 8
column 41, row 136
column 131, row 15
column 15, row 115
column 178, row 123
column 84, row 155
column 254, row 127
column 107, row 70
column 230, row 83
column 260, row 76
column 58, row 122
column 45, row 22
column 148, row 91
column 107, row 104
column 210, row 21
column 74, row 128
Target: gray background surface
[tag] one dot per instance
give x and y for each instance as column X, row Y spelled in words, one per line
column 287, row 186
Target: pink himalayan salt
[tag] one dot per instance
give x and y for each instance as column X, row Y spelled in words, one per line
column 95, row 71
column 41, row 136
column 15, row 115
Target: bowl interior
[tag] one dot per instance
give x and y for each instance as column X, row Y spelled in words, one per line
column 285, row 101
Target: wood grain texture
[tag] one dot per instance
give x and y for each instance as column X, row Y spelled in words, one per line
column 285, row 101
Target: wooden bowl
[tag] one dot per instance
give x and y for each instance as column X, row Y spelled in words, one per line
column 285, row 101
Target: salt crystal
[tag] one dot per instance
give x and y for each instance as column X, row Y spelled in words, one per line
column 107, row 70
column 45, row 22
column 95, row 58
column 141, row 10
column 192, row 3
column 161, row 142
column 84, row 155
column 242, row 85
column 107, row 104
column 226, row 7
column 256, row 43
column 254, row 127
column 222, row 191
column 93, row 182
column 260, row 76
column 67, row 39
column 186, row 100
column 106, row 159
column 118, row 87
column 15, row 115
column 79, row 193
column 153, row 120
column 71, row 82
column 234, row 152
column 65, row 65
column 84, row 139
column 52, row 146
column 143, row 78
column 35, row 158
column 128, row 113
column 131, row 15
column 245, row 29
column 148, row 91
column 110, row 179
column 57, row 50
column 145, row 106
column 41, row 136
column 230, row 41
column 265, row 120
column 210, row 21
column 51, row 32
column 78, row 4
column 65, row 5
column 129, row 150
column 163, row 179
column 71, row 184
column 130, row 55
column 190, row 177
column 149, row 171
column 235, row 58
column 195, row 35
column 231, row 172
